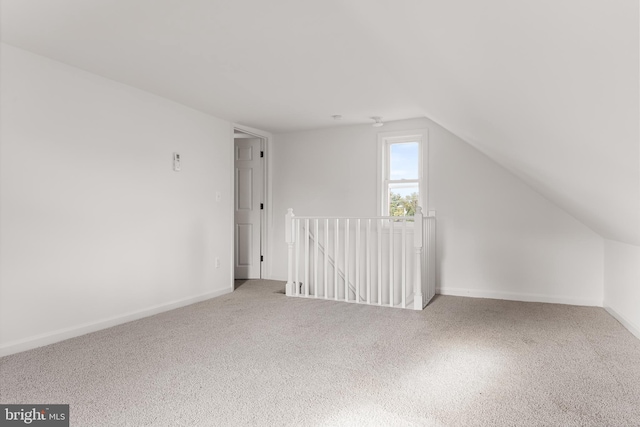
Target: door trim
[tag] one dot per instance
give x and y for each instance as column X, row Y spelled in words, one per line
column 266, row 214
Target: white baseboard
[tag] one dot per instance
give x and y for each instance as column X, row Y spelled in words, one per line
column 634, row 329
column 75, row 331
column 511, row 296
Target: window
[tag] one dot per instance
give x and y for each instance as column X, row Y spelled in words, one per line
column 401, row 187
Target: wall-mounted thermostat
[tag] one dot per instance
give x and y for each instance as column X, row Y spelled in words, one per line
column 176, row 162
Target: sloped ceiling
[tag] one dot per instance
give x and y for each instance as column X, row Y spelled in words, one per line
column 548, row 88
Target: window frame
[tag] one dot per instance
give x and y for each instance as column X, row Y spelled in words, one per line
column 385, row 140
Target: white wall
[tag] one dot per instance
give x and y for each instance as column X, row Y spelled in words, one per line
column 497, row 237
column 622, row 283
column 96, row 227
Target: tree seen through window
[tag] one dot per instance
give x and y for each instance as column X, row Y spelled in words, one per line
column 400, row 205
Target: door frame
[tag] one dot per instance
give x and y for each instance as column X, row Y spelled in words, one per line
column 265, row 214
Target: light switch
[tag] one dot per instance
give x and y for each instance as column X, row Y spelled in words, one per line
column 176, row 162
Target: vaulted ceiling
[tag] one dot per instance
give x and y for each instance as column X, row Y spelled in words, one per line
column 548, row 88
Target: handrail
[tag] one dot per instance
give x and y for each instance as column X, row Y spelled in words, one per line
column 399, row 218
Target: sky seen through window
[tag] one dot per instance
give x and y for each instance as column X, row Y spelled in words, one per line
column 403, row 164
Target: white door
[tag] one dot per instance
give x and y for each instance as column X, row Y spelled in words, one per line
column 248, row 197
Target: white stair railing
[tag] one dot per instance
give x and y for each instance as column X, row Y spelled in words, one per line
column 328, row 261
column 362, row 260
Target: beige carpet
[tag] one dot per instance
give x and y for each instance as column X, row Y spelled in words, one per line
column 256, row 357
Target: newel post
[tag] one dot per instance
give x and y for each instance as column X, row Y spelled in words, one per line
column 418, row 244
column 289, row 238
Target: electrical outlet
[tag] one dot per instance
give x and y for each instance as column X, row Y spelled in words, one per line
column 218, row 196
column 217, row 262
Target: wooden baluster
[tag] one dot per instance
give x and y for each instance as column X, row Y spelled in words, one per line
column 391, row 253
column 430, row 262
column 316, row 256
column 417, row 244
column 346, row 259
column 326, row 252
column 358, row 260
column 336, row 251
column 379, row 231
column 297, row 231
column 368, row 256
column 289, row 237
column 306, row 257
column 404, row 263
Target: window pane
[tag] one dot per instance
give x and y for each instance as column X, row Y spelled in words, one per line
column 403, row 199
column 403, row 161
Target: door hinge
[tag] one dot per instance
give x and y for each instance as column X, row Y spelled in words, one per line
column 261, row 258
column 262, row 154
column 261, row 205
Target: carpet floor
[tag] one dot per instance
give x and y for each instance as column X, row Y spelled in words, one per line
column 256, row 357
